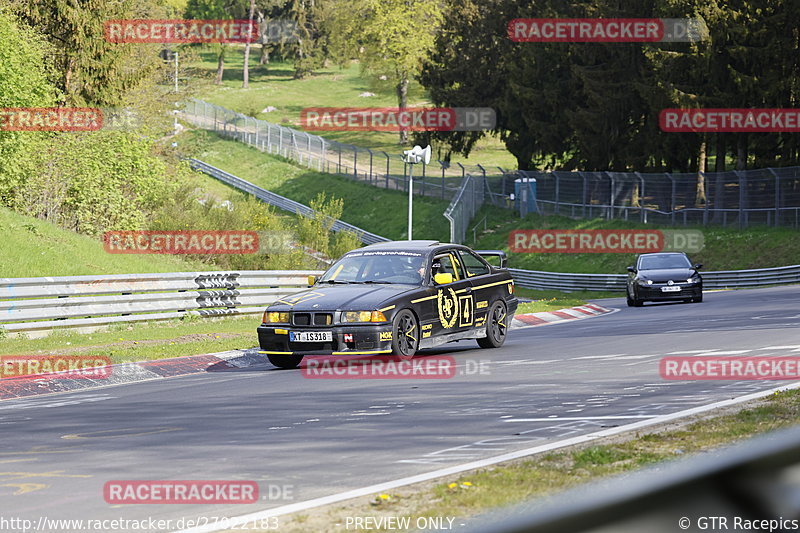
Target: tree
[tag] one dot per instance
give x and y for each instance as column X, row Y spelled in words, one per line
column 389, row 37
column 215, row 10
column 24, row 82
column 91, row 70
column 246, row 66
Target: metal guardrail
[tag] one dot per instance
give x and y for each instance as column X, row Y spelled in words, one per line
column 40, row 304
column 752, row 481
column 36, row 304
column 721, row 279
column 279, row 201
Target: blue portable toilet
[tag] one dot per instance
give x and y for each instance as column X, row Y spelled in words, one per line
column 525, row 195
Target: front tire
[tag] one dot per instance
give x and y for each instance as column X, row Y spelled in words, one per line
column 405, row 334
column 285, row 361
column 496, row 326
column 698, row 300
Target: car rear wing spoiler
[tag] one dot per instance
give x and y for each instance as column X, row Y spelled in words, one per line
column 494, row 253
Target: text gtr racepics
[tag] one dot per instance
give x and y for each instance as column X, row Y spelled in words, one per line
column 393, row 297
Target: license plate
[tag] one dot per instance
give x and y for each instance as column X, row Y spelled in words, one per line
column 670, row 289
column 310, row 336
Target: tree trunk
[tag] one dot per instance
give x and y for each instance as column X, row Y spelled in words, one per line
column 402, row 100
column 246, row 67
column 264, row 58
column 220, row 65
column 719, row 181
column 741, row 152
column 700, row 195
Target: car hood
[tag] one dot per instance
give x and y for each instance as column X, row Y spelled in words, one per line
column 664, row 275
column 356, row 297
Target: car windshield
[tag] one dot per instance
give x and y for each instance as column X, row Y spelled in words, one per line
column 659, row 262
column 377, row 267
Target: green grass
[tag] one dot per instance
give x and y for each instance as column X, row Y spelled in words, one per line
column 725, row 249
column 32, row 248
column 555, row 300
column 380, row 211
column 273, row 85
column 541, row 476
column 144, row 341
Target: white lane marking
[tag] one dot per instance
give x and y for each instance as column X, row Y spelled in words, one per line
column 550, row 419
column 795, row 347
column 519, row 363
column 599, row 356
column 458, row 469
column 687, row 352
column 729, row 352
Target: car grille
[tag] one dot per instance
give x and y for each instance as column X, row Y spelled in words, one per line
column 323, row 319
column 316, row 319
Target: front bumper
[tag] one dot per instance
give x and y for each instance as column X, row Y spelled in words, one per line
column 356, row 339
column 654, row 293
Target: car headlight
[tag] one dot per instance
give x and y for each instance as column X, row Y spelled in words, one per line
column 645, row 282
column 275, row 317
column 695, row 279
column 363, row 316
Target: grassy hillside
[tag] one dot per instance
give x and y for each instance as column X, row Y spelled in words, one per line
column 32, row 248
column 725, row 249
column 274, row 85
column 379, row 211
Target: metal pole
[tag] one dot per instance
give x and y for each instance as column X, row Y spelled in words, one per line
column 672, row 201
column 410, row 197
column 777, row 196
column 175, row 122
column 387, row 170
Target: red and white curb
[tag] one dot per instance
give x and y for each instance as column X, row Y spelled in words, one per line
column 552, row 317
column 218, row 362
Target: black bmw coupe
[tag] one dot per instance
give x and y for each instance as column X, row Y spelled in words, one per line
column 393, row 297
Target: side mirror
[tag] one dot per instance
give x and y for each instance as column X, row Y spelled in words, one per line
column 312, row 280
column 443, row 278
column 631, row 269
column 698, row 266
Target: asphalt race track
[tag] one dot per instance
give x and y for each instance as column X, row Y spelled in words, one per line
column 306, row 438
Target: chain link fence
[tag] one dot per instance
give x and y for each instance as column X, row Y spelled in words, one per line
column 769, row 196
column 439, row 179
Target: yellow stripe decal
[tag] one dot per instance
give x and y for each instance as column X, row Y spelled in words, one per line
column 423, row 299
column 276, row 353
column 493, row 284
column 386, row 308
column 360, row 353
column 336, row 273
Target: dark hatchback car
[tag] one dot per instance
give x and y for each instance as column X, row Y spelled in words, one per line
column 393, row 297
column 661, row 277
